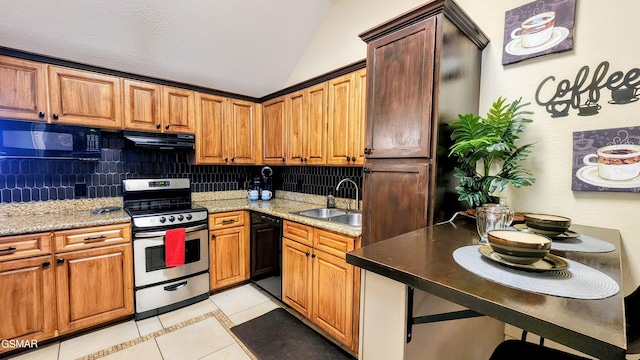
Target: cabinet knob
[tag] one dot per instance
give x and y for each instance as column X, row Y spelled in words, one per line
column 41, row 115
column 305, row 159
column 226, row 159
column 157, row 126
column 348, row 158
column 46, row 264
column 283, row 159
column 366, row 170
column 55, row 116
column 313, row 255
column 213, row 236
column 167, row 127
column 301, row 159
column 353, row 158
column 233, row 159
column 307, row 254
column 367, row 151
column 60, row 261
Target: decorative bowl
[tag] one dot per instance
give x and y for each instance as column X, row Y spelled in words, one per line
column 546, row 224
column 519, row 247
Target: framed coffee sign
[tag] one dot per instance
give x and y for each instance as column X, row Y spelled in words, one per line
column 538, row 28
column 606, row 160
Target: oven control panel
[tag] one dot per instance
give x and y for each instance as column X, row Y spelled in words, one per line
column 160, row 220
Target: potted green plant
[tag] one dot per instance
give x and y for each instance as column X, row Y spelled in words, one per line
column 479, row 143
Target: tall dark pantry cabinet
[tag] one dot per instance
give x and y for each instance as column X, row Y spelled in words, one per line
column 423, row 69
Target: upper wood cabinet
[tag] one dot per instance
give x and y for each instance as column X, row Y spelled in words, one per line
column 401, row 71
column 142, row 106
column 244, row 132
column 211, row 129
column 23, row 89
column 178, row 110
column 226, row 130
column 85, row 98
column 344, row 132
column 307, row 126
column 274, row 131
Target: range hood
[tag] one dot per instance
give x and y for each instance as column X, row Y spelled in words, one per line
column 160, row 141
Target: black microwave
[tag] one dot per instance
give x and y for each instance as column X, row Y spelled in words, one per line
column 25, row 139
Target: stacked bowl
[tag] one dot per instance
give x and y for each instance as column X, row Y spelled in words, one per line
column 545, row 224
column 519, row 247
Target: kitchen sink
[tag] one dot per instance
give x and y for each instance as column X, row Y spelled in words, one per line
column 346, row 217
column 353, row 219
column 322, row 213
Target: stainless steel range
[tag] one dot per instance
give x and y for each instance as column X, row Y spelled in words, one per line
column 156, row 206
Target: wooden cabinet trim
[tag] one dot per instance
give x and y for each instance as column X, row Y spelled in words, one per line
column 298, row 232
column 25, row 246
column 335, row 244
column 227, row 219
column 92, row 237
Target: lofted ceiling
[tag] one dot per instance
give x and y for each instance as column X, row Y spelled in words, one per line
column 248, row 47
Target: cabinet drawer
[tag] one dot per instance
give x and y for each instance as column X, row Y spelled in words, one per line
column 332, row 243
column 298, row 232
column 24, row 246
column 87, row 238
column 226, row 220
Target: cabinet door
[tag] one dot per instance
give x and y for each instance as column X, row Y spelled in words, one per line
column 178, row 110
column 316, row 129
column 274, row 131
column 297, row 138
column 24, row 89
column 142, row 106
column 228, row 256
column 93, row 286
column 28, row 310
column 333, row 296
column 243, row 129
column 297, row 273
column 395, row 198
column 85, row 98
column 400, row 67
column 211, row 129
column 359, row 123
column 340, row 117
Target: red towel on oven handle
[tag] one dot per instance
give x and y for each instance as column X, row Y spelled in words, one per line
column 174, row 247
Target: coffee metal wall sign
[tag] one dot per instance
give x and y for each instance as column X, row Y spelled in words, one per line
column 585, row 91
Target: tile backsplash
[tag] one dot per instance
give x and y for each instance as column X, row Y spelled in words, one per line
column 23, row 180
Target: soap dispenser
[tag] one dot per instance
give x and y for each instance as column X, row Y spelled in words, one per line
column 331, row 201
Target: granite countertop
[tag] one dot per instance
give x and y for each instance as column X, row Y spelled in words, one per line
column 25, row 218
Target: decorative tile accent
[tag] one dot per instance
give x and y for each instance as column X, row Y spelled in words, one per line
column 219, row 315
column 25, row 180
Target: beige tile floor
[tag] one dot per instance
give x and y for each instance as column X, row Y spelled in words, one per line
column 198, row 332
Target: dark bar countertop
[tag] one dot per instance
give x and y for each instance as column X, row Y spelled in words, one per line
column 423, row 259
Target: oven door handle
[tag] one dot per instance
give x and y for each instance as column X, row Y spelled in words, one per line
column 151, row 234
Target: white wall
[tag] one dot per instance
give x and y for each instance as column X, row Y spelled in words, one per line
column 602, row 32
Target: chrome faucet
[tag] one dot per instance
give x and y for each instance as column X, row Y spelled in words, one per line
column 354, row 184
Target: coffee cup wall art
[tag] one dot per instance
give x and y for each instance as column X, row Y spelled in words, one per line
column 538, row 28
column 606, row 160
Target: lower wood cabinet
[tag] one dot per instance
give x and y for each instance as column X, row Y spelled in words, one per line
column 28, row 298
column 85, row 281
column 93, row 286
column 317, row 281
column 228, row 248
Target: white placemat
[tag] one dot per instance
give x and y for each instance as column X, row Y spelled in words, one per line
column 578, row 281
column 583, row 243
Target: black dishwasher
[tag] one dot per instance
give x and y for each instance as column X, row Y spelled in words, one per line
column 266, row 253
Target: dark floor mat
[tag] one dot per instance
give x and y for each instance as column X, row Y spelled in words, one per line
column 279, row 335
